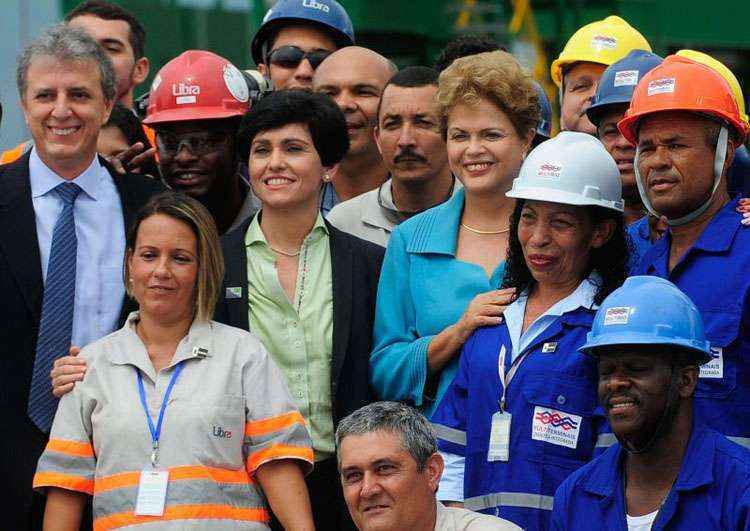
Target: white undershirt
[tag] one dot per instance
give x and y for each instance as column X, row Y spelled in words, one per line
column 641, row 523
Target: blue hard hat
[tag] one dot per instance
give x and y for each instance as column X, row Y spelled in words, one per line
column 328, row 14
column 648, row 310
column 617, row 84
column 544, row 129
column 738, row 177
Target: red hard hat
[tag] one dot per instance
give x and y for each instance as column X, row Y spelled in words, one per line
column 681, row 84
column 197, row 85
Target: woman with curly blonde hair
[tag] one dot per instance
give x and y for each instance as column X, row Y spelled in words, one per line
column 443, row 268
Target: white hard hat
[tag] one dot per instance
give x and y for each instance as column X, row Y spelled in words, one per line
column 572, row 169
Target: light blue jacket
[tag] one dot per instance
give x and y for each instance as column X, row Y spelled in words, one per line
column 423, row 289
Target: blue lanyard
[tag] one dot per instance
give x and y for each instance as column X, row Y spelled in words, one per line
column 156, row 431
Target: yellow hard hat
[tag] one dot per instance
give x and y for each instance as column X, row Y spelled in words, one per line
column 604, row 42
column 723, row 71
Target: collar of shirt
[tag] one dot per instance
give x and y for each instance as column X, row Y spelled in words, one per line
column 255, row 237
column 717, row 237
column 196, row 344
column 605, row 477
column 374, row 213
column 583, row 296
column 43, row 179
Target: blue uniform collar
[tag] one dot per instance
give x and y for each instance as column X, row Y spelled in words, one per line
column 696, row 470
column 717, row 237
column 447, row 216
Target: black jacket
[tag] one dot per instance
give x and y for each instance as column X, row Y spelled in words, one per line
column 21, row 290
column 355, row 267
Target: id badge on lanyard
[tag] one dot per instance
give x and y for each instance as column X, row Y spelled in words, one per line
column 499, row 448
column 152, row 485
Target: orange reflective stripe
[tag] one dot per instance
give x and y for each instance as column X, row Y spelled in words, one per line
column 178, row 473
column 279, row 451
column 183, row 512
column 78, row 449
column 272, row 424
column 13, row 154
column 63, row 481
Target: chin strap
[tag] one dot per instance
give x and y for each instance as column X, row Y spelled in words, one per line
column 719, row 160
column 661, row 426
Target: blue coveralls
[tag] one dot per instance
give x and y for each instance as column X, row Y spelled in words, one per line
column 715, row 274
column 712, row 491
column 554, row 388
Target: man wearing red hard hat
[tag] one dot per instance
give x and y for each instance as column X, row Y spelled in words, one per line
column 195, row 106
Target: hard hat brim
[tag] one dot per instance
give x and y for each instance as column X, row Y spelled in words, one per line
column 561, row 197
column 699, row 349
column 187, row 114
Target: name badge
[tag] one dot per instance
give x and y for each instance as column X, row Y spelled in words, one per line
column 500, row 437
column 715, row 367
column 152, row 492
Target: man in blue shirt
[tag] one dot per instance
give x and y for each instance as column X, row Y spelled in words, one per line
column 667, row 471
column 686, row 125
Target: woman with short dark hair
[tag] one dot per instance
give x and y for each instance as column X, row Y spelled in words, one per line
column 305, row 288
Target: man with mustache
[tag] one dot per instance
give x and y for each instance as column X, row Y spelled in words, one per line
column 686, row 125
column 354, row 77
column 413, row 150
column 668, row 470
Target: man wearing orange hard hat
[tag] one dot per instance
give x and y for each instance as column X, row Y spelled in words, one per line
column 686, row 124
column 195, row 106
column 586, row 55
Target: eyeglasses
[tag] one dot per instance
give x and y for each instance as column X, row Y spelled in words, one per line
column 197, row 143
column 291, row 56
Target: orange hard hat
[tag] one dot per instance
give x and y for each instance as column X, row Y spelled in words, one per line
column 197, row 85
column 681, row 84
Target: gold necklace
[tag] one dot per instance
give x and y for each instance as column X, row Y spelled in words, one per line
column 477, row 231
column 290, row 255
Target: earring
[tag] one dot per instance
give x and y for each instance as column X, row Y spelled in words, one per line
column 326, row 177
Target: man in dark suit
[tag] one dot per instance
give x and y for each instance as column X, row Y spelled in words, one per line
column 63, row 214
column 306, row 289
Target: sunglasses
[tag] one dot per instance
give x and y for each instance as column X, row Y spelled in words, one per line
column 197, row 143
column 291, row 56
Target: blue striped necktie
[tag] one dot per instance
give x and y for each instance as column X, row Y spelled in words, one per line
column 56, row 326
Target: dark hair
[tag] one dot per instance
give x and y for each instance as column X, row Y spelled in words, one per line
column 318, row 112
column 412, row 77
column 610, row 260
column 108, row 11
column 463, row 46
column 130, row 126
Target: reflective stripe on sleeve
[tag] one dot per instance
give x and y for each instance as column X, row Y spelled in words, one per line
column 509, row 499
column 742, row 441
column 183, row 512
column 64, row 481
column 74, row 448
column 262, row 427
column 605, row 440
column 450, row 435
column 278, row 451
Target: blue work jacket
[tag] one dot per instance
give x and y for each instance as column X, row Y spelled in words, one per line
column 712, row 491
column 715, row 274
column 553, row 391
column 423, row 289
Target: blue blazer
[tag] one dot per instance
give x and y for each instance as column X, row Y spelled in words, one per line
column 423, row 289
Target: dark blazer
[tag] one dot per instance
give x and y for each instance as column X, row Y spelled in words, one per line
column 21, row 290
column 355, row 267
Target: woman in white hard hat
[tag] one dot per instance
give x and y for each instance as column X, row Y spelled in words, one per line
column 520, row 414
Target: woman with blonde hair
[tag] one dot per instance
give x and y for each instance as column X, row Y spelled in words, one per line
column 443, row 268
column 178, row 418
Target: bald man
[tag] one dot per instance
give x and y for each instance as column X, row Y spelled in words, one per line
column 355, row 78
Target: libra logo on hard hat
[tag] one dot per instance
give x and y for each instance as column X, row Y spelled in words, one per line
column 600, row 42
column 661, row 86
column 316, row 5
column 549, row 170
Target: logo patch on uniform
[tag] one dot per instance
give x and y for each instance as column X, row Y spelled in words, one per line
column 233, row 293
column 715, row 367
column 602, row 42
column 201, row 352
column 555, row 427
column 617, row 315
column 236, row 83
column 549, row 170
column 220, row 433
column 625, row 78
column 661, row 86
column 550, row 347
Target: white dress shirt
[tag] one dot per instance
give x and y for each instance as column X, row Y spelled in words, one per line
column 100, row 231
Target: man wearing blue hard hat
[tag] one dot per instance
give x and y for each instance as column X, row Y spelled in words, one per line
column 295, row 37
column 667, row 469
